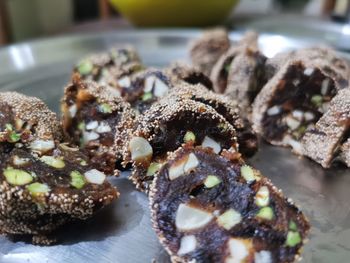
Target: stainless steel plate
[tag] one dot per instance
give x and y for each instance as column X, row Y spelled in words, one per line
column 122, row 232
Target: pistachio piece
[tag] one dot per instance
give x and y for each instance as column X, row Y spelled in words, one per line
column 38, row 188
column 262, row 197
column 211, row 181
column 52, row 161
column 19, row 124
column 293, row 226
column 316, row 100
column 147, row 96
column 293, row 239
column 265, row 213
column 77, row 179
column 17, row 176
column 229, row 219
column 187, row 245
column 189, row 136
column 210, row 143
column 94, row 176
column 85, row 67
column 248, row 173
column 153, row 168
column 140, row 149
column 81, row 126
column 83, row 163
column 105, row 108
column 189, row 218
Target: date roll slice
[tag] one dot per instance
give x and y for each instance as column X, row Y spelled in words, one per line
column 42, row 193
column 90, row 116
column 165, row 127
column 102, row 66
column 206, row 50
column 207, row 208
column 27, row 121
column 292, row 102
column 327, row 139
column 247, row 139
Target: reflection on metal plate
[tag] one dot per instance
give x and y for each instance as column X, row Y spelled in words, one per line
column 122, row 232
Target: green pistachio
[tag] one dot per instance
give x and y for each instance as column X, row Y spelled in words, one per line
column 147, row 96
column 17, row 176
column 189, row 136
column 85, row 67
column 317, row 100
column 153, row 168
column 9, row 127
column 229, row 219
column 293, row 226
column 227, row 67
column 77, row 179
column 211, row 181
column 38, row 188
column 81, row 126
column 293, row 238
column 83, row 163
column 52, row 161
column 105, row 108
column 265, row 213
column 247, row 173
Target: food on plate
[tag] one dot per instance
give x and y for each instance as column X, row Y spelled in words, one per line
column 91, row 114
column 247, row 139
column 181, row 72
column 44, row 182
column 206, row 50
column 323, row 142
column 165, row 127
column 210, row 208
column 293, row 101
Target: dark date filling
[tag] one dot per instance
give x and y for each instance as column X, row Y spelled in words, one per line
column 223, row 74
column 300, row 100
column 230, row 192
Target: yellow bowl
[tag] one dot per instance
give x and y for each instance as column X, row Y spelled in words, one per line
column 174, row 13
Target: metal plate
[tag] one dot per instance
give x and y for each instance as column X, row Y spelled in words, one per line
column 122, row 232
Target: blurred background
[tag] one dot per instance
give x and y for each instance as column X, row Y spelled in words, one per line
column 22, row 20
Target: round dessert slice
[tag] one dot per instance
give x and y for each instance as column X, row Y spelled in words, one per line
column 100, row 67
column 222, row 210
column 344, row 155
column 322, row 142
column 220, row 72
column 28, row 121
column 41, row 193
column 90, row 116
column 293, row 101
column 165, row 127
column 181, row 72
column 247, row 139
column 206, row 50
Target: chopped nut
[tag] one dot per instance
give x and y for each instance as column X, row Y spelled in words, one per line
column 273, row 110
column 149, row 83
column 90, row 136
column 189, row 136
column 247, row 173
column 92, row 125
column 189, row 218
column 211, row 181
column 65, row 147
column 229, row 219
column 187, row 245
column 73, row 110
column 17, row 176
column 298, row 114
column 308, row 71
column 77, row 179
column 160, row 88
column 265, row 213
column 153, row 168
column 85, row 67
column 192, row 162
column 52, row 161
column 140, row 149
column 292, row 123
column 263, row 256
column 293, row 239
column 239, row 250
column 83, row 163
column 147, row 96
column 42, row 146
column 293, row 226
column 262, row 197
column 316, row 100
column 105, row 108
column 124, row 82
column 19, row 124
column 309, row 116
column 81, row 126
column 103, row 127
column 177, row 169
column 210, row 143
column 38, row 188
column 325, row 86
column 18, row 161
column 94, row 176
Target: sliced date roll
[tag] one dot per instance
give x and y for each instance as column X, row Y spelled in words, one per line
column 90, row 116
column 28, row 121
column 206, row 208
column 206, row 50
column 101, row 67
column 247, row 139
column 323, row 142
column 165, row 127
column 39, row 194
column 293, row 101
column 344, row 155
column 181, row 72
column 220, row 72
